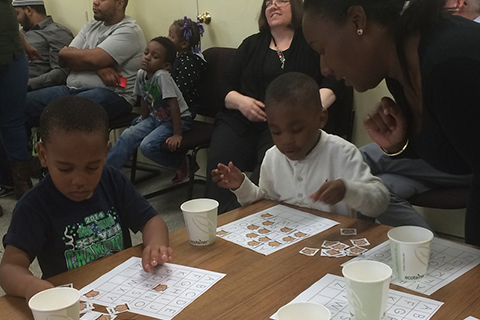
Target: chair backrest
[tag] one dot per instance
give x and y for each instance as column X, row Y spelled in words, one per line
column 211, row 93
column 341, row 115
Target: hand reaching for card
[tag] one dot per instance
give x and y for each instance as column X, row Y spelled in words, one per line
column 229, row 177
column 331, row 192
column 155, row 255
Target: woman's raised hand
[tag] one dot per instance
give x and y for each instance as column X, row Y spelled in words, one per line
column 387, row 125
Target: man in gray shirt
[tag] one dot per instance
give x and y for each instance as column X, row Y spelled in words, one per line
column 103, row 58
column 48, row 37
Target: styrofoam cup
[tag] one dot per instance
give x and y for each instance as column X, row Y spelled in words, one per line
column 60, row 303
column 367, row 285
column 201, row 220
column 410, row 247
column 304, row 311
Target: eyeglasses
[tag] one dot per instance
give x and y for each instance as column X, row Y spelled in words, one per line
column 280, row 3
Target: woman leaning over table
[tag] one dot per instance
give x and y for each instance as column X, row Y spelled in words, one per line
column 431, row 63
column 241, row 134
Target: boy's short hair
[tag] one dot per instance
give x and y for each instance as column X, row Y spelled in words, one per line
column 171, row 50
column 73, row 114
column 293, row 88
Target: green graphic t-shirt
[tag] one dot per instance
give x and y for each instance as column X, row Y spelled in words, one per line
column 64, row 234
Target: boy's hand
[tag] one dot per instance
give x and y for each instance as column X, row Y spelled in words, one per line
column 331, row 192
column 155, row 255
column 229, row 177
column 174, row 142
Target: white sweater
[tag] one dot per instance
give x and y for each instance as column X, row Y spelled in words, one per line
column 333, row 158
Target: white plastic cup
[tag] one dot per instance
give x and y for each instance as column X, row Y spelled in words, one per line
column 367, row 285
column 303, row 311
column 410, row 247
column 60, row 303
column 201, row 220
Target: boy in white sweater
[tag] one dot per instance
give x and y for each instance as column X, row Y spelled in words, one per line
column 307, row 166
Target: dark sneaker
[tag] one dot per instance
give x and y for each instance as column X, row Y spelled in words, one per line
column 183, row 172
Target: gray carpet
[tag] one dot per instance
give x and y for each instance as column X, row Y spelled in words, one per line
column 167, row 205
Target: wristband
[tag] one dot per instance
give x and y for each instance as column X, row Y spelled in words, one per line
column 396, row 153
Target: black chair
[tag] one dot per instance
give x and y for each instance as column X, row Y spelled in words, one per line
column 341, row 115
column 442, row 198
column 211, row 103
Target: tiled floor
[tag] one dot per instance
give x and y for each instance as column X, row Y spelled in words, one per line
column 167, row 205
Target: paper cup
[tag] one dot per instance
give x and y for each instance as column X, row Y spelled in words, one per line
column 304, row 311
column 201, row 221
column 367, row 285
column 56, row 304
column 410, row 247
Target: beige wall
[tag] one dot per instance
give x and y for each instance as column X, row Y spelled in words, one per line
column 231, row 22
column 71, row 13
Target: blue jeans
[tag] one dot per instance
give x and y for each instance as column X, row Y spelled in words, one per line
column 13, row 91
column 148, row 134
column 37, row 100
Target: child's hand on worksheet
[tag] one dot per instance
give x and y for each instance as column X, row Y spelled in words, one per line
column 154, row 255
column 229, row 177
column 331, row 192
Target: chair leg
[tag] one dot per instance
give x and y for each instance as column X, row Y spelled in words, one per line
column 133, row 169
column 191, row 174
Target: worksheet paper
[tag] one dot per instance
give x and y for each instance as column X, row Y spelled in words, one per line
column 471, row 318
column 330, row 291
column 448, row 261
column 273, row 229
column 161, row 294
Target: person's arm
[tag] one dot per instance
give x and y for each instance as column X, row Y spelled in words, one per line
column 15, row 278
column 85, row 59
column 248, row 192
column 54, row 77
column 32, row 53
column 176, row 139
column 56, row 40
column 251, row 108
column 156, row 243
column 364, row 192
column 328, row 97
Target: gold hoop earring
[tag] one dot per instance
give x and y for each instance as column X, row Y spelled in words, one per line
column 360, row 32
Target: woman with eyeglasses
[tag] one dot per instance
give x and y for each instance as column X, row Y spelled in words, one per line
column 241, row 134
column 431, row 63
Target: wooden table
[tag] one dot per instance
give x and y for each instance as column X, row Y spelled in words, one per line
column 256, row 285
